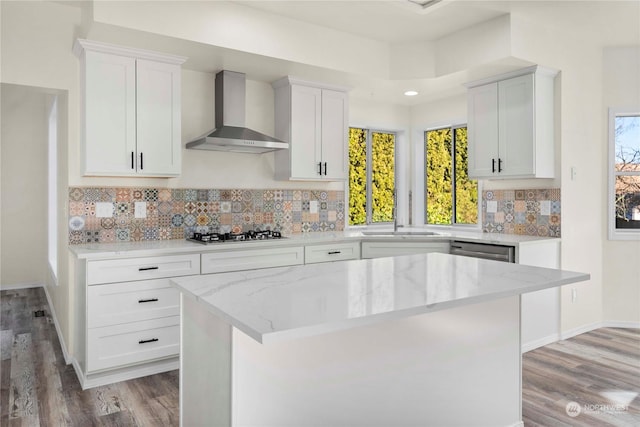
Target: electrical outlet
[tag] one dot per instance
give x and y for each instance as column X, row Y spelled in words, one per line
column 140, row 210
column 574, row 295
column 545, row 207
column 104, row 210
column 313, row 206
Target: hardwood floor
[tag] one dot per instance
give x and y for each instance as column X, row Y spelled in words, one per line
column 598, row 370
column 39, row 389
column 595, row 370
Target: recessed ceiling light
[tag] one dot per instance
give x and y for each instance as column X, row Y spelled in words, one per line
column 411, row 93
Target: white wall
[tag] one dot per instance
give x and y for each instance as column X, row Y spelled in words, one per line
column 24, row 186
column 621, row 259
column 36, row 40
column 581, row 146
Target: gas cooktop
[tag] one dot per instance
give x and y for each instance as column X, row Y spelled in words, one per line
column 252, row 235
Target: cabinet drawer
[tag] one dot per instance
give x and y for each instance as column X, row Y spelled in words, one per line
column 131, row 343
column 118, row 303
column 331, row 252
column 236, row 260
column 384, row 249
column 130, row 269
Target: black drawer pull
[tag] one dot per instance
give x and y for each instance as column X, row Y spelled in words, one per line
column 140, row 301
column 146, row 341
column 147, row 268
column 334, row 252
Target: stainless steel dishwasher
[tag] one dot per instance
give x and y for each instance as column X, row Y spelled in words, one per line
column 484, row 251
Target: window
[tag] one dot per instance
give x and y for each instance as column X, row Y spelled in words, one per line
column 624, row 175
column 451, row 197
column 52, row 226
column 371, row 176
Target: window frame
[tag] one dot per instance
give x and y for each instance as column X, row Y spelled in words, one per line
column 454, row 225
column 616, row 233
column 369, row 193
column 52, row 186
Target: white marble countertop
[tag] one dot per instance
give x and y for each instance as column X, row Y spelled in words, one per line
column 277, row 304
column 162, row 247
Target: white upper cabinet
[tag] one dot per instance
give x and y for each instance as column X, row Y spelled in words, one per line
column 313, row 119
column 511, row 126
column 131, row 111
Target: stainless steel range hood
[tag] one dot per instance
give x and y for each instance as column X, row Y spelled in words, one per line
column 230, row 133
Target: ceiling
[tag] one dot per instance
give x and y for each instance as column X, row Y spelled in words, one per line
column 610, row 22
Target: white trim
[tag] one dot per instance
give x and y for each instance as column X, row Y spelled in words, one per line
column 597, row 325
column 613, row 232
column 65, row 353
column 534, row 69
column 63, row 345
column 626, row 324
column 81, row 45
column 20, row 286
column 124, row 374
column 540, row 342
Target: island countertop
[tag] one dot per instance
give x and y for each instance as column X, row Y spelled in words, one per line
column 275, row 304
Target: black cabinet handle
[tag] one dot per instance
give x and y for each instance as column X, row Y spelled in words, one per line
column 140, row 301
column 141, row 162
column 499, row 165
column 325, row 168
column 146, row 341
column 319, row 168
column 334, row 252
column 133, row 158
column 493, row 165
column 147, row 268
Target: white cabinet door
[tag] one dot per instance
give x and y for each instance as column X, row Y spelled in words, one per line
column 132, row 111
column 516, row 126
column 511, row 126
column 250, row 259
column 110, row 114
column 387, row 248
column 482, row 130
column 335, row 129
column 305, row 146
column 158, row 118
column 331, row 252
column 313, row 119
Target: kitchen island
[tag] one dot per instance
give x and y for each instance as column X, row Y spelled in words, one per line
column 429, row 339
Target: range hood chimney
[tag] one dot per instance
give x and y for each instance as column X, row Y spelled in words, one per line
column 230, row 133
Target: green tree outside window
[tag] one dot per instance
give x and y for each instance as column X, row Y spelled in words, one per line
column 371, row 188
column 451, row 197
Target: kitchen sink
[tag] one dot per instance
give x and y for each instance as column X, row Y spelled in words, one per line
column 400, row 233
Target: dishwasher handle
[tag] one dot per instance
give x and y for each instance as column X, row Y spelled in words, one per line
column 484, row 251
column 476, row 254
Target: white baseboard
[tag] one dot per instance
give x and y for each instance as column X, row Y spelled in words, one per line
column 124, row 374
column 20, row 286
column 597, row 325
column 63, row 345
column 52, row 310
column 621, row 324
column 541, row 342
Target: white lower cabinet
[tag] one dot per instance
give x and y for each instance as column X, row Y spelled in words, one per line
column 373, row 249
column 132, row 343
column 130, row 316
column 250, row 259
column 331, row 252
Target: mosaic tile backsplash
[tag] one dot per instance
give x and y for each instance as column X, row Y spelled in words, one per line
column 524, row 212
column 178, row 213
